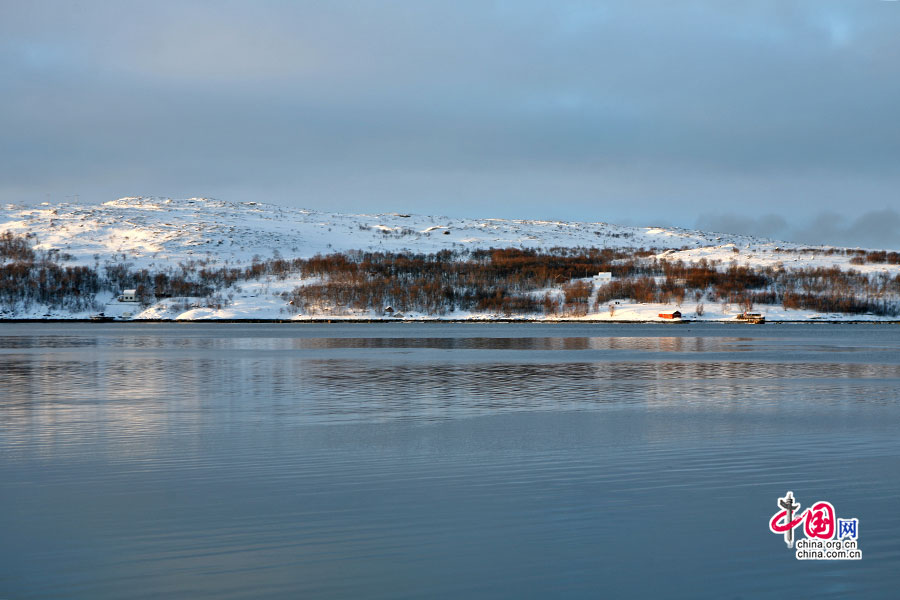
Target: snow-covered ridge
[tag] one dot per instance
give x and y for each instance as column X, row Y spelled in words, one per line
column 159, row 234
column 149, row 230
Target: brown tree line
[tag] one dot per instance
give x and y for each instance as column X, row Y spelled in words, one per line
column 824, row 289
column 503, row 281
column 507, row 281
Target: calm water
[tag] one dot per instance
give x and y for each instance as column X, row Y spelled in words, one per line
column 477, row 460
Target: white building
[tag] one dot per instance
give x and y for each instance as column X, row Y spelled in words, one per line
column 602, row 277
column 128, row 296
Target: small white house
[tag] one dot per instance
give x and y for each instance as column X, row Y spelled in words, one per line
column 128, row 296
column 603, row 277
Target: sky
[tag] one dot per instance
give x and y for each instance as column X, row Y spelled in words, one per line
column 779, row 118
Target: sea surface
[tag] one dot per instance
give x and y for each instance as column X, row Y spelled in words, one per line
column 187, row 460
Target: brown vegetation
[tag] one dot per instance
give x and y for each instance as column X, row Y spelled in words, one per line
column 506, row 281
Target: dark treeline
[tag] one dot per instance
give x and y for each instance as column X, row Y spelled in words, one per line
column 30, row 277
column 47, row 283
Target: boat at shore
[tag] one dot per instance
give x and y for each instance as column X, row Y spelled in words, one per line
column 102, row 318
column 752, row 318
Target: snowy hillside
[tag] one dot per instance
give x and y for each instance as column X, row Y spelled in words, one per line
column 157, row 234
column 153, row 229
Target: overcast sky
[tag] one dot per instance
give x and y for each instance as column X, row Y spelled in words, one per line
column 778, row 117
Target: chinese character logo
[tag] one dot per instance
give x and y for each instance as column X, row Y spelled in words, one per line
column 820, row 526
column 848, row 528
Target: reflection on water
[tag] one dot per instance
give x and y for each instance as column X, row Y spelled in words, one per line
column 659, row 343
column 494, row 461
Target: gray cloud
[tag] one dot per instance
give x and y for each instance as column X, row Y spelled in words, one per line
column 873, row 229
column 770, row 226
column 878, row 229
column 645, row 110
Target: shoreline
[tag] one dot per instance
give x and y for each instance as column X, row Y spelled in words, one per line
column 458, row 321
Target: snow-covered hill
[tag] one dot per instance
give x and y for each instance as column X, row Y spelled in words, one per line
column 154, row 232
column 154, row 229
